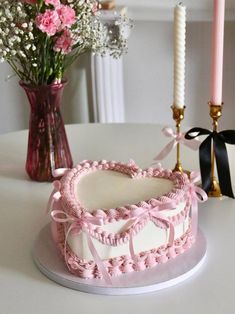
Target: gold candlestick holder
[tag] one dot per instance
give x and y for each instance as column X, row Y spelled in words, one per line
column 107, row 4
column 215, row 113
column 178, row 116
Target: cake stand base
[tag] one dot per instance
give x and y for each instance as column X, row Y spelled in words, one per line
column 162, row 276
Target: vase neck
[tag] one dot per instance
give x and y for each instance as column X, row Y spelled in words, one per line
column 44, row 97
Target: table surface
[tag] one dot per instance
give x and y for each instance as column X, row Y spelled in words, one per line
column 24, row 290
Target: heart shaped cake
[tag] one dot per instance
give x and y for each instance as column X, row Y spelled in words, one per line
column 110, row 218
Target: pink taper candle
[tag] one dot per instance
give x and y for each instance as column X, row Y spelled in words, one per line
column 217, row 52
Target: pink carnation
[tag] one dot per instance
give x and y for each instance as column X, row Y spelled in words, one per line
column 48, row 22
column 67, row 15
column 64, row 43
column 55, row 3
column 95, row 8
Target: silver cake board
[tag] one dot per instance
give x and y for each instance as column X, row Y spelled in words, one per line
column 162, row 276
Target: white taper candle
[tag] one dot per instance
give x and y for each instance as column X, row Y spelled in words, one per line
column 179, row 55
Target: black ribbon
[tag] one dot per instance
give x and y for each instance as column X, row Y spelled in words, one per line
column 221, row 157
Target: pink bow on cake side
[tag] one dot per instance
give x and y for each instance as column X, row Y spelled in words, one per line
column 195, row 195
column 76, row 226
column 55, row 194
column 154, row 214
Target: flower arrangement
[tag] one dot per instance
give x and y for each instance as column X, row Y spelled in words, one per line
column 40, row 39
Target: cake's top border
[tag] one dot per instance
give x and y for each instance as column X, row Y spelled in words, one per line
column 70, row 201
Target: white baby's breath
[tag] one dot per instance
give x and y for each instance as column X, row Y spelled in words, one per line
column 32, row 54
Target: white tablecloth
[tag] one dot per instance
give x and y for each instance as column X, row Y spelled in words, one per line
column 24, row 290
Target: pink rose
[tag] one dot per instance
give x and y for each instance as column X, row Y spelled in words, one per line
column 67, row 15
column 48, row 22
column 64, row 43
column 55, row 3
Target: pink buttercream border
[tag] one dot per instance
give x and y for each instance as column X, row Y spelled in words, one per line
column 123, row 264
column 69, row 181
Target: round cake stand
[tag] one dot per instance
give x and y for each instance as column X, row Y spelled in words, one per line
column 162, row 276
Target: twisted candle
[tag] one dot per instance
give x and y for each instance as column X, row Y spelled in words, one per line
column 179, row 55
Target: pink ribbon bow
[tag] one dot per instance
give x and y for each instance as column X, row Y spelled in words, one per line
column 54, row 197
column 55, row 194
column 59, row 172
column 154, row 214
column 177, row 138
column 196, row 195
column 78, row 225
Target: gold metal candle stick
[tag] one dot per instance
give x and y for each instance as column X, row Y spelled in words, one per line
column 215, row 113
column 178, row 116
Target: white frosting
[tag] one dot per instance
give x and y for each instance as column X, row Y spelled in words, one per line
column 110, row 189
column 150, row 237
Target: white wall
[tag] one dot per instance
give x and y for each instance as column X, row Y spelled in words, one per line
column 148, row 80
column 14, row 106
column 152, row 10
column 148, row 73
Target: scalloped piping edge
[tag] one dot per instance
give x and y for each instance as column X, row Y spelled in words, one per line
column 124, row 264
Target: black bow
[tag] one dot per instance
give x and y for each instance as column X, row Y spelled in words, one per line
column 221, row 157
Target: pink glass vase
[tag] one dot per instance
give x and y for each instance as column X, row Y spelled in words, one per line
column 48, row 147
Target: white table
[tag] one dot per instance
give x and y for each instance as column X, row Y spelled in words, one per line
column 24, row 290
